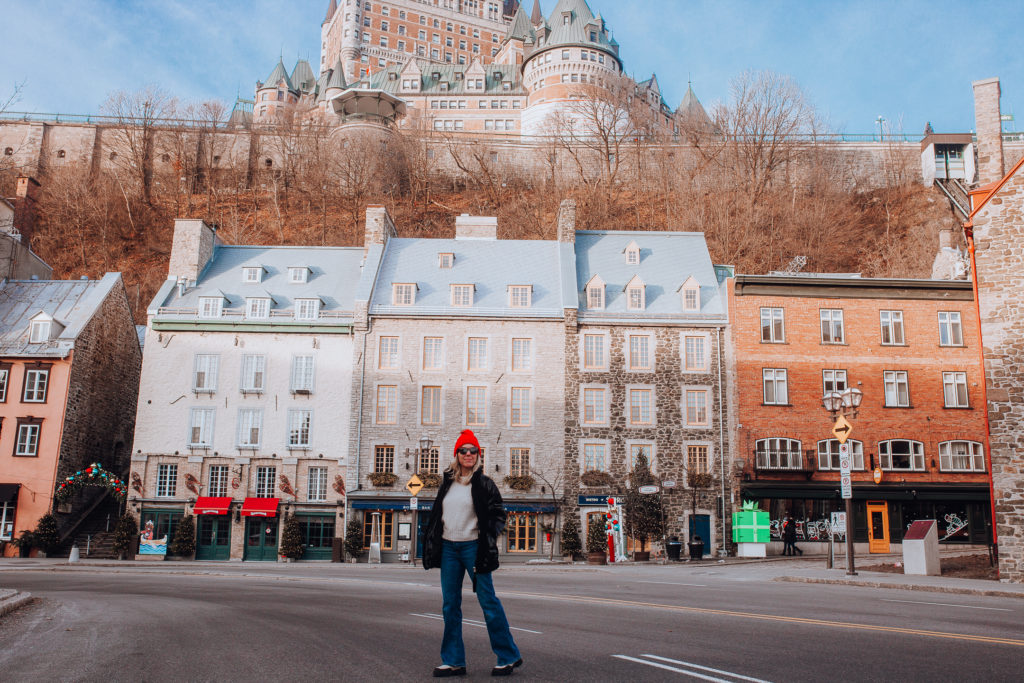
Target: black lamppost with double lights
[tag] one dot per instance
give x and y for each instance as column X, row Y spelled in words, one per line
column 842, row 405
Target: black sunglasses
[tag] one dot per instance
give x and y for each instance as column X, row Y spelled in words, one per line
column 472, row 450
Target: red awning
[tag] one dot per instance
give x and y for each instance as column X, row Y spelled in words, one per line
column 260, row 507
column 206, row 505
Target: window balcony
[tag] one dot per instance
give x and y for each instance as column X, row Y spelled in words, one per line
column 784, row 462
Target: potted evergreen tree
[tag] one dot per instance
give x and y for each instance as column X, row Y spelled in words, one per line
column 125, row 535
column 597, row 543
column 24, row 543
column 292, row 547
column 183, row 545
column 571, row 544
column 643, row 516
column 47, row 536
column 354, row 540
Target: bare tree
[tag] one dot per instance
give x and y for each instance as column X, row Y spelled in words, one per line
column 137, row 116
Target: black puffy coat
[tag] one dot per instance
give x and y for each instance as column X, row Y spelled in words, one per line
column 490, row 519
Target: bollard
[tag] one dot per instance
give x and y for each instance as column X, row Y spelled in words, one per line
column 74, row 556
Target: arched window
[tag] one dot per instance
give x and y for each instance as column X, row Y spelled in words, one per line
column 778, row 454
column 901, row 454
column 828, row 454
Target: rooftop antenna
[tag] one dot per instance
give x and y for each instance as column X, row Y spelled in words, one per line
column 795, row 266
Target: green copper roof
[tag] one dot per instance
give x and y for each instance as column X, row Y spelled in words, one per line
column 337, row 76
column 692, row 109
column 521, row 28
column 277, row 75
column 389, row 79
column 574, row 23
column 302, row 77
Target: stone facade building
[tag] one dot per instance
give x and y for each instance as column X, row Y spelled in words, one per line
column 243, row 406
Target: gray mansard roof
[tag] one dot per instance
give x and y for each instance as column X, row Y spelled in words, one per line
column 333, row 277
column 389, row 79
column 667, row 260
column 491, row 266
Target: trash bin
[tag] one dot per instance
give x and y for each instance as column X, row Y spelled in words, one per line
column 696, row 550
column 673, row 548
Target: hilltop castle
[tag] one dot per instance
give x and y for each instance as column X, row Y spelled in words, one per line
column 460, row 65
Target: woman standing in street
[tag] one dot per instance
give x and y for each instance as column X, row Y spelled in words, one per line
column 462, row 536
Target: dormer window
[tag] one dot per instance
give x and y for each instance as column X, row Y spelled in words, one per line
column 444, row 86
column 403, row 294
column 595, row 293
column 298, row 275
column 307, row 309
column 211, row 306
column 436, row 75
column 636, row 294
column 520, row 296
column 257, row 308
column 446, row 260
column 632, row 252
column 40, row 331
column 462, row 295
column 690, row 291
column 252, row 274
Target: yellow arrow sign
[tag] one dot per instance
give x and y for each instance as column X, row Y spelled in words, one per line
column 842, row 429
column 414, row 484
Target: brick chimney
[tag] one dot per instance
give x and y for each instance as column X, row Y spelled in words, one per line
column 192, row 249
column 379, row 226
column 989, row 127
column 567, row 221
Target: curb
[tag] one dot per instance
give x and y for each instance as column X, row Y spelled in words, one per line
column 17, row 601
column 898, row 586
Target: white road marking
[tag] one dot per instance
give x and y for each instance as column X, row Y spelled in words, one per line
column 694, row 674
column 948, row 604
column 673, row 583
column 471, row 622
column 707, row 668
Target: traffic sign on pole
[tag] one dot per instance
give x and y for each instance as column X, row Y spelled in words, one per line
column 842, row 429
column 414, row 484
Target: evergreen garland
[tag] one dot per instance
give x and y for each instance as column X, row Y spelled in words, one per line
column 93, row 475
column 125, row 534
column 291, row 539
column 184, row 542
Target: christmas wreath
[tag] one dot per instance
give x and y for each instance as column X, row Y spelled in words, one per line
column 93, row 475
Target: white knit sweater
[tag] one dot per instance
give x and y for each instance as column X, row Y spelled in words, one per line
column 458, row 516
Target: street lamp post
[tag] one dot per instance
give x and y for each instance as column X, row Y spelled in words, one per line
column 426, row 443
column 881, row 130
column 844, row 405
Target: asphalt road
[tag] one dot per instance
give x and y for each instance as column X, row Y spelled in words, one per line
column 360, row 623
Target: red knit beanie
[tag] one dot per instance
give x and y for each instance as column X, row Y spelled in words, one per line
column 466, row 437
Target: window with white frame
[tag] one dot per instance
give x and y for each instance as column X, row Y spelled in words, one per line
column 387, row 355
column 217, row 481
column 307, row 309
column 26, row 442
column 691, row 298
column 901, row 454
column 204, row 376
column 950, row 331
column 897, row 390
column 833, row 380
column 961, row 456
column 250, row 427
column 773, row 326
column 211, row 306
column 775, row 385
column 39, row 331
column 778, row 454
column 302, row 374
column 520, row 409
column 892, row 328
column 519, row 296
column 253, row 373
column 635, row 299
column 594, row 457
column 476, row 406
column 594, row 352
column 265, row 479
column 166, row 480
column 403, row 294
column 476, row 356
column 595, row 295
column 257, row 308
column 695, row 353
column 252, row 274
column 522, row 354
column 519, row 461
column 300, row 423
column 201, row 428
column 298, row 274
column 639, row 352
column 828, row 454
column 832, row 326
column 697, row 407
column 430, row 405
column 954, row 389
column 5, row 377
column 462, row 295
column 641, row 405
column 697, row 459
column 433, row 353
column 594, row 405
column 387, row 404
column 316, row 485
column 445, row 260
column 36, row 382
column 641, row 449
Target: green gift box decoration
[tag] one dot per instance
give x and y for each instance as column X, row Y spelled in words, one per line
column 750, row 525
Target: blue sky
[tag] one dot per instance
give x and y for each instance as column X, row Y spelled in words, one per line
column 907, row 61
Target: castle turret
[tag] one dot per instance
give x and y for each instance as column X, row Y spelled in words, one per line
column 351, row 50
column 274, row 96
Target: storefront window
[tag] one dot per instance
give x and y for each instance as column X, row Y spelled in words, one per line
column 317, row 532
column 521, row 532
column 387, row 520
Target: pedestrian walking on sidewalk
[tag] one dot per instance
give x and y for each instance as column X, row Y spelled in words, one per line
column 789, row 538
column 462, row 537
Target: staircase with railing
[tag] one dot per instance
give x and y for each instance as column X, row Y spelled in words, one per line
column 956, row 193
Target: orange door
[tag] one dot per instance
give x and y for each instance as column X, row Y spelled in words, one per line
column 878, row 526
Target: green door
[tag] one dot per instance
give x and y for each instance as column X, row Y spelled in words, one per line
column 261, row 539
column 214, row 537
column 317, row 537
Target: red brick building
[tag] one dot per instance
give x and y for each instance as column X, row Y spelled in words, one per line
column 910, row 347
